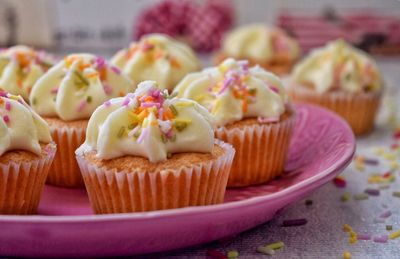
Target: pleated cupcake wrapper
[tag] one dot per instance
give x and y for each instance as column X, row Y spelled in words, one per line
column 111, row 191
column 65, row 170
column 21, row 184
column 359, row 110
column 261, row 151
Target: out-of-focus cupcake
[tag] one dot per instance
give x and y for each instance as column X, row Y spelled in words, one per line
column 343, row 79
column 148, row 151
column 21, row 67
column 26, row 153
column 269, row 47
column 252, row 113
column 66, row 97
column 157, row 57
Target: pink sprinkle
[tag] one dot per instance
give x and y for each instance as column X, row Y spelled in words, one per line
column 8, row 106
column 100, row 62
column 268, row 120
column 363, row 237
column 107, row 89
column 116, row 70
column 169, row 134
column 3, row 93
column 226, row 84
column 54, row 90
column 380, row 239
column 107, row 103
column 81, row 106
column 133, row 132
column 274, row 89
column 372, row 192
column 385, row 214
column 6, row 119
column 147, row 105
column 161, row 113
column 143, row 134
column 126, row 102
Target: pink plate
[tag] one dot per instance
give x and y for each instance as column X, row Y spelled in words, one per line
column 322, row 146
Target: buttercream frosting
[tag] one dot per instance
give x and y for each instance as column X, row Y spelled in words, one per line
column 148, row 123
column 20, row 127
column 74, row 87
column 157, row 57
column 233, row 91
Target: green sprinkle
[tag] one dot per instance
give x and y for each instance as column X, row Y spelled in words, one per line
column 132, row 126
column 361, row 196
column 172, row 95
column 345, row 197
column 169, row 155
column 173, row 109
column 137, row 133
column 265, row 250
column 275, row 246
column 89, row 99
column 180, row 125
column 34, row 101
column 252, row 91
column 384, row 187
column 389, row 227
column 163, row 138
column 121, row 132
column 396, row 194
column 232, row 254
column 81, row 78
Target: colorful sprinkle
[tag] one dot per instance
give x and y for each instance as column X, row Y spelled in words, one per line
column 8, row 106
column 386, row 214
column 394, row 235
column 396, row 194
column 389, row 227
column 294, row 222
column 339, row 182
column 215, row 254
column 361, row 196
column 6, row 119
column 380, row 239
column 116, row 70
column 363, row 237
column 81, row 105
column 265, row 250
column 276, row 245
column 345, row 197
column 346, row 255
column 233, row 254
column 372, row 192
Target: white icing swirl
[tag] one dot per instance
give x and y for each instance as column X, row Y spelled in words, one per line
column 20, row 126
column 21, row 67
column 232, row 91
column 157, row 57
column 260, row 42
column 73, row 88
column 338, row 65
column 149, row 124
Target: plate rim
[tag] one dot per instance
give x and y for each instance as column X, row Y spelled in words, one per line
column 342, row 163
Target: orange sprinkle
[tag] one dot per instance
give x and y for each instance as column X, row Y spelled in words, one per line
column 174, row 62
column 131, row 51
column 149, row 99
column 103, row 74
column 19, row 83
column 93, row 74
column 244, row 105
column 154, row 123
column 168, row 115
column 121, row 94
column 83, row 66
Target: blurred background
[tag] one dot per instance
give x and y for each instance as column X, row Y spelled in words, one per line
column 103, row 26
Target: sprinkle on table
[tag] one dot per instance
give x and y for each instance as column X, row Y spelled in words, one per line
column 380, row 239
column 363, row 237
column 294, row 222
column 386, row 214
column 394, row 235
column 389, row 227
column 232, row 254
column 265, row 250
column 215, row 254
column 361, row 196
column 396, row 194
column 372, row 192
column 339, row 181
column 276, row 245
column 346, row 255
column 345, row 197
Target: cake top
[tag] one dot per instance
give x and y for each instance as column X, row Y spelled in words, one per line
column 260, row 43
column 21, row 67
column 73, row 88
column 20, row 127
column 233, row 91
column 157, row 57
column 148, row 123
column 338, row 66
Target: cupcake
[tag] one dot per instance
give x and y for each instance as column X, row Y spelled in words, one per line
column 26, row 153
column 149, row 151
column 21, row 67
column 252, row 113
column 269, row 47
column 343, row 79
column 66, row 97
column 157, row 57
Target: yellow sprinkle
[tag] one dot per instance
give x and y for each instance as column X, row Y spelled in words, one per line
column 389, row 156
column 222, row 68
column 14, row 97
column 216, row 107
column 394, row 235
column 379, row 151
column 394, row 165
column 184, row 104
column 346, row 255
column 347, row 228
column 359, row 165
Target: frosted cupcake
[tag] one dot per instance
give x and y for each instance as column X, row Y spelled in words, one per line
column 26, row 153
column 269, row 47
column 66, row 97
column 157, row 57
column 21, row 67
column 343, row 79
column 251, row 110
column 148, row 151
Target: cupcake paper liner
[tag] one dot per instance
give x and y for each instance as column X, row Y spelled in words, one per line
column 21, row 184
column 112, row 191
column 261, row 151
column 65, row 170
column 359, row 110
